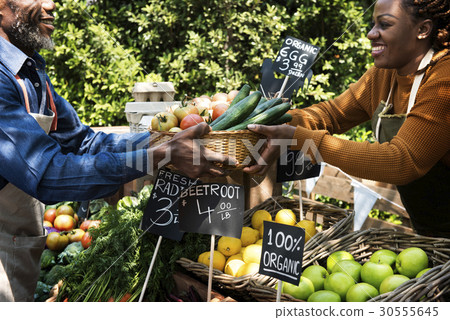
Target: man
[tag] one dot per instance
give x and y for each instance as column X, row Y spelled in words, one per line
column 48, row 155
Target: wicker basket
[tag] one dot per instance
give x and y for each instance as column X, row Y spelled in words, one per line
column 240, row 144
column 335, row 223
column 361, row 244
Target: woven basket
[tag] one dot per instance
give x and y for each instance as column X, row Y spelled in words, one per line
column 335, row 222
column 361, row 244
column 240, row 144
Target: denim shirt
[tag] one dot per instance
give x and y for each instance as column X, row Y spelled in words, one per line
column 72, row 163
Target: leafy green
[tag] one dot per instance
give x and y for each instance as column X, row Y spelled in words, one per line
column 48, row 258
column 70, row 253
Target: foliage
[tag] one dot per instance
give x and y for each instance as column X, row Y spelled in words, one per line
column 203, row 47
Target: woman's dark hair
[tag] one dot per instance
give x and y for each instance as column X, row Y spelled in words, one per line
column 439, row 12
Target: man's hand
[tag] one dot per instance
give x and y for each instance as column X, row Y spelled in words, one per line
column 186, row 153
column 283, row 135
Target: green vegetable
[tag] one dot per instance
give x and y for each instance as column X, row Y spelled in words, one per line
column 42, row 292
column 48, row 258
column 264, row 106
column 239, row 112
column 267, row 117
column 70, row 253
column 55, row 274
column 285, row 118
column 243, row 93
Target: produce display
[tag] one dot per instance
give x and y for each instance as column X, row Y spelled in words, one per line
column 240, row 257
column 224, row 111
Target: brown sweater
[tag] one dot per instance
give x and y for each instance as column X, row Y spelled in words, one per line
column 422, row 141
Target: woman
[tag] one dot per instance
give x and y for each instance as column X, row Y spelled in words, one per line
column 407, row 97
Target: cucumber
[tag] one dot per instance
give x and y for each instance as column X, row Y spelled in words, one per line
column 285, row 118
column 243, row 92
column 262, row 100
column 266, row 117
column 238, row 112
column 264, row 106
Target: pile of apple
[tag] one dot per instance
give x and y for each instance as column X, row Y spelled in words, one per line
column 192, row 112
column 345, row 279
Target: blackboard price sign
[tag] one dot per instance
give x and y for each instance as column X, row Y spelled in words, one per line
column 295, row 58
column 161, row 214
column 282, row 252
column 212, row 208
column 83, row 210
column 293, row 165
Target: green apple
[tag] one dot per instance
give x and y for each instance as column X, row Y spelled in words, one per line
column 421, row 273
column 339, row 282
column 324, row 296
column 374, row 273
column 337, row 256
column 317, row 274
column 384, row 256
column 350, row 267
column 361, row 292
column 304, row 289
column 390, row 283
column 411, row 261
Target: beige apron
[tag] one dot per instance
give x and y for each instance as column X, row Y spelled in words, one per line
column 22, row 235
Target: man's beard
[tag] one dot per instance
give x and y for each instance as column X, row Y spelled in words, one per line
column 27, row 35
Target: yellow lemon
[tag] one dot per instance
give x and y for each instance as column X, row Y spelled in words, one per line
column 242, row 250
column 252, row 253
column 258, row 218
column 233, row 267
column 218, row 260
column 310, row 228
column 229, row 246
column 286, row 216
column 237, row 256
column 202, row 256
column 248, row 268
column 249, row 236
column 259, row 242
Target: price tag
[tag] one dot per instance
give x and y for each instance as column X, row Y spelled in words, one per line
column 83, row 210
column 282, row 252
column 295, row 58
column 212, row 208
column 161, row 214
column 293, row 165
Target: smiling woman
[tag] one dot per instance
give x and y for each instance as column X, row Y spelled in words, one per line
column 406, row 95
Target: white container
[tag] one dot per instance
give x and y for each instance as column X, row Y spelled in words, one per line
column 153, row 91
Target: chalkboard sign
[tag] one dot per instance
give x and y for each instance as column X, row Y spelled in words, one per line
column 282, row 252
column 83, row 210
column 212, row 208
column 293, row 165
column 295, row 58
column 161, row 214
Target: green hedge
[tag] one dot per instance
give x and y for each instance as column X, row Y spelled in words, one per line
column 202, row 46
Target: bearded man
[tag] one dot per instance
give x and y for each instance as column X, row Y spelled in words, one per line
column 47, row 155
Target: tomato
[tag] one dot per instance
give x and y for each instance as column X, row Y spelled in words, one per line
column 86, row 224
column 86, row 240
column 163, row 121
column 182, row 112
column 75, row 235
column 56, row 241
column 64, row 223
column 64, row 210
column 50, row 215
column 218, row 110
column 48, row 224
column 191, row 120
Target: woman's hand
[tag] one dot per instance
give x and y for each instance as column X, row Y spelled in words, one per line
column 278, row 139
column 186, row 153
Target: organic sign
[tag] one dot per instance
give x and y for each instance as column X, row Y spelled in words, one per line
column 161, row 214
column 295, row 58
column 282, row 252
column 212, row 208
column 293, row 165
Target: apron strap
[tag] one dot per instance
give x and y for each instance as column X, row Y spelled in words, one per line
column 418, row 78
column 50, row 101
